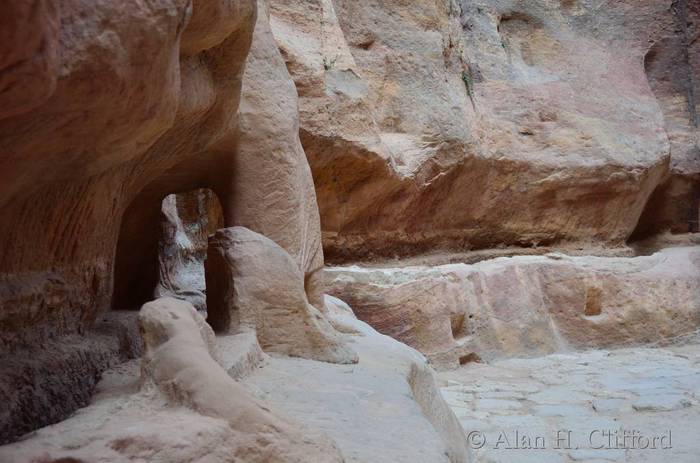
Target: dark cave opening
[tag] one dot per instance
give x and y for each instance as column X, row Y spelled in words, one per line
column 162, row 246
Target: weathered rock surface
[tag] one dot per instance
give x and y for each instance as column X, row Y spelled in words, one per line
column 391, row 392
column 130, row 118
column 460, row 125
column 273, row 191
column 178, row 361
column 188, row 409
column 107, row 109
column 527, row 305
column 672, row 65
column 188, row 220
column 103, row 115
column 253, row 284
column 43, row 385
column 649, row 393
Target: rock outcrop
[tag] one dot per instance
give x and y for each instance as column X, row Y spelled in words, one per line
column 254, row 285
column 177, row 360
column 139, row 138
column 181, row 406
column 107, row 110
column 473, row 124
column 527, row 305
column 184, row 407
column 138, row 101
column 273, row 191
column 110, row 107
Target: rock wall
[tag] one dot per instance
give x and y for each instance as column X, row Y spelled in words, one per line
column 475, row 124
column 144, row 103
column 131, row 108
column 527, row 305
column 108, row 110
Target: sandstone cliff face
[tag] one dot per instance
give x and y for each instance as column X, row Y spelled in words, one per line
column 474, row 124
column 138, row 102
column 110, row 107
column 107, row 110
column 143, row 104
column 131, row 132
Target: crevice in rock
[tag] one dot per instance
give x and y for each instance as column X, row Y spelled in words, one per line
column 680, row 11
column 674, row 207
column 472, row 357
column 162, row 247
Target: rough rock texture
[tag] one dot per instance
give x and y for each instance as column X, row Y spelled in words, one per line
column 43, row 385
column 109, row 108
column 273, row 191
column 253, row 284
column 527, row 305
column 271, row 174
column 188, row 220
column 187, row 409
column 29, row 61
column 138, row 101
column 478, row 123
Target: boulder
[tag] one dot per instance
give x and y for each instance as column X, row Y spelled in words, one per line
column 253, row 284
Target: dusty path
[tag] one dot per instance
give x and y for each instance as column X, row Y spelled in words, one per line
column 609, row 404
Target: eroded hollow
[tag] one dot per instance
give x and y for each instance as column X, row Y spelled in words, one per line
column 674, row 206
column 470, row 358
column 593, row 305
column 459, row 326
column 161, row 249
